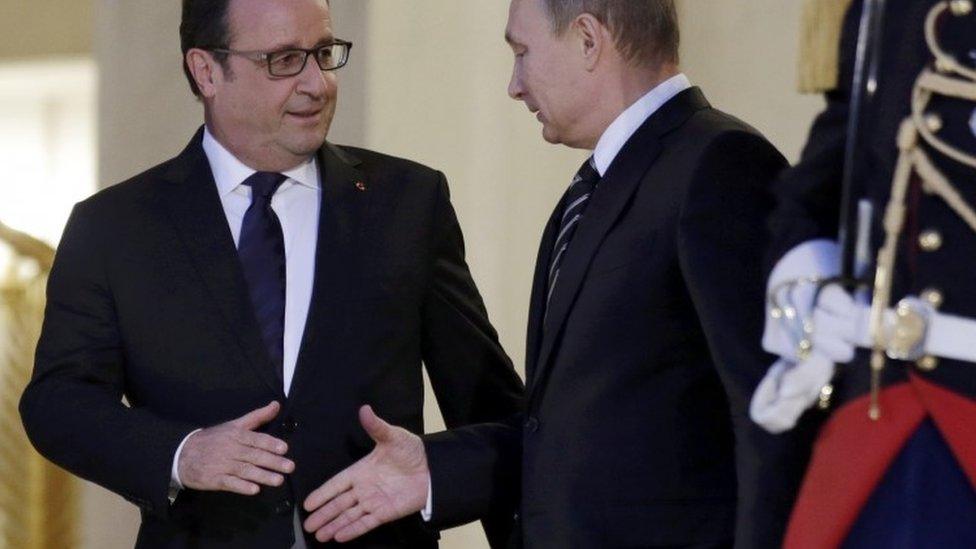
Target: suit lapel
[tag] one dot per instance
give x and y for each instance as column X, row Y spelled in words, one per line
column 198, row 215
column 611, row 197
column 537, row 301
column 344, row 209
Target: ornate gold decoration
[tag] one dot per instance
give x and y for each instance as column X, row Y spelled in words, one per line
column 37, row 499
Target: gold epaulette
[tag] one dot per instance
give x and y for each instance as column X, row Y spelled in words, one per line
column 820, row 31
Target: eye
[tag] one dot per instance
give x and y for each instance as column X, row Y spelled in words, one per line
column 287, row 59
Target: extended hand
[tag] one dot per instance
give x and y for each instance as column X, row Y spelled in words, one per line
column 389, row 483
column 234, row 458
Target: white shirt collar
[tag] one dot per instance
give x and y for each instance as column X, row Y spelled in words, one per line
column 621, row 130
column 229, row 172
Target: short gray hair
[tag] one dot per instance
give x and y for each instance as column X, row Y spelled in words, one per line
column 645, row 31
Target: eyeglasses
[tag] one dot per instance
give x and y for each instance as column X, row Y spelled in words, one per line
column 284, row 63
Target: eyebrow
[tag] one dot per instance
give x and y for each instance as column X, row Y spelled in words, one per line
column 293, row 46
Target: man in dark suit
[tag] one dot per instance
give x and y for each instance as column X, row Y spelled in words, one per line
column 643, row 344
column 261, row 265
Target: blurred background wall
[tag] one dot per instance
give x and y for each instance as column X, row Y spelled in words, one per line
column 426, row 81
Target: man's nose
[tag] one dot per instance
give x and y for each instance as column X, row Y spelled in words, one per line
column 312, row 80
column 515, row 87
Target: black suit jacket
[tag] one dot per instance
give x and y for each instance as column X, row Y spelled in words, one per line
column 147, row 301
column 639, row 377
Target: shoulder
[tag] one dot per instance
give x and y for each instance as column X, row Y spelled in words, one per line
column 129, row 195
column 722, row 137
column 377, row 165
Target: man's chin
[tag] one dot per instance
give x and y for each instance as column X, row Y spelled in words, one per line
column 306, row 145
column 551, row 136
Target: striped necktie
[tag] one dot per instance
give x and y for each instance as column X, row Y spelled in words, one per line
column 574, row 204
column 262, row 253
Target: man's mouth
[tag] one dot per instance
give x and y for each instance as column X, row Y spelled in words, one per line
column 308, row 114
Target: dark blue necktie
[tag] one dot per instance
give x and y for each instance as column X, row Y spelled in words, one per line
column 574, row 204
column 262, row 252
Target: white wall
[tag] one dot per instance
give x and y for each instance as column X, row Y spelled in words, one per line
column 427, row 81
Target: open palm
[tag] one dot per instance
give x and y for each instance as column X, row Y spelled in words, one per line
column 390, row 483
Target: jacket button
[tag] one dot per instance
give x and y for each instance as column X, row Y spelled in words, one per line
column 531, row 425
column 961, row 8
column 283, row 507
column 930, row 240
column 289, row 425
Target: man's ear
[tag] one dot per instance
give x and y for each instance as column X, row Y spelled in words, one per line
column 593, row 38
column 204, row 68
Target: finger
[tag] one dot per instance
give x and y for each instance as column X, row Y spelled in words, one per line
column 265, row 460
column 349, row 516
column 247, row 471
column 332, row 509
column 376, row 428
column 256, row 418
column 358, row 528
column 230, row 483
column 836, row 300
column 264, row 442
column 332, row 488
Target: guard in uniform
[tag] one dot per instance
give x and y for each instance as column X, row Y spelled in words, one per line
column 890, row 353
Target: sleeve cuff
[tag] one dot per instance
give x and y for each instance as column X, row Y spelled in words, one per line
column 428, row 509
column 175, row 485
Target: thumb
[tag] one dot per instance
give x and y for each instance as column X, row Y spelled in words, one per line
column 256, row 418
column 377, row 429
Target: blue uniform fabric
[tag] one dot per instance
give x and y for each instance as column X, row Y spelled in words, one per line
column 924, row 500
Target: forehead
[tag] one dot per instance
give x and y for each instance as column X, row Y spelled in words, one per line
column 526, row 21
column 277, row 23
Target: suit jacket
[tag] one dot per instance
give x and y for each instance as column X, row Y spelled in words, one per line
column 837, row 488
column 639, row 376
column 147, row 301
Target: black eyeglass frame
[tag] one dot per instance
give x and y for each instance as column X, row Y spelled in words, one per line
column 268, row 56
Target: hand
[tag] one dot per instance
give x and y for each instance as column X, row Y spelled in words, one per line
column 790, row 387
column 389, row 483
column 813, row 258
column 234, row 458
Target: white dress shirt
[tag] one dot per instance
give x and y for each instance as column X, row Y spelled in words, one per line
column 297, row 204
column 622, row 129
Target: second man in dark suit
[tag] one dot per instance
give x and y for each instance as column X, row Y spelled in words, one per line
column 644, row 328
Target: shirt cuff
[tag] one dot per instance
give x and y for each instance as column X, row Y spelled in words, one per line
column 428, row 509
column 175, row 485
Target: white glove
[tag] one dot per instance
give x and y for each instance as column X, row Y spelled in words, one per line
column 787, row 390
column 791, row 386
column 839, row 326
column 814, row 258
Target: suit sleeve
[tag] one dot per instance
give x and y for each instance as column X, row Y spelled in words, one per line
column 72, row 408
column 721, row 239
column 474, row 470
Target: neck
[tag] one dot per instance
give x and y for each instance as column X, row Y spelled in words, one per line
column 622, row 88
